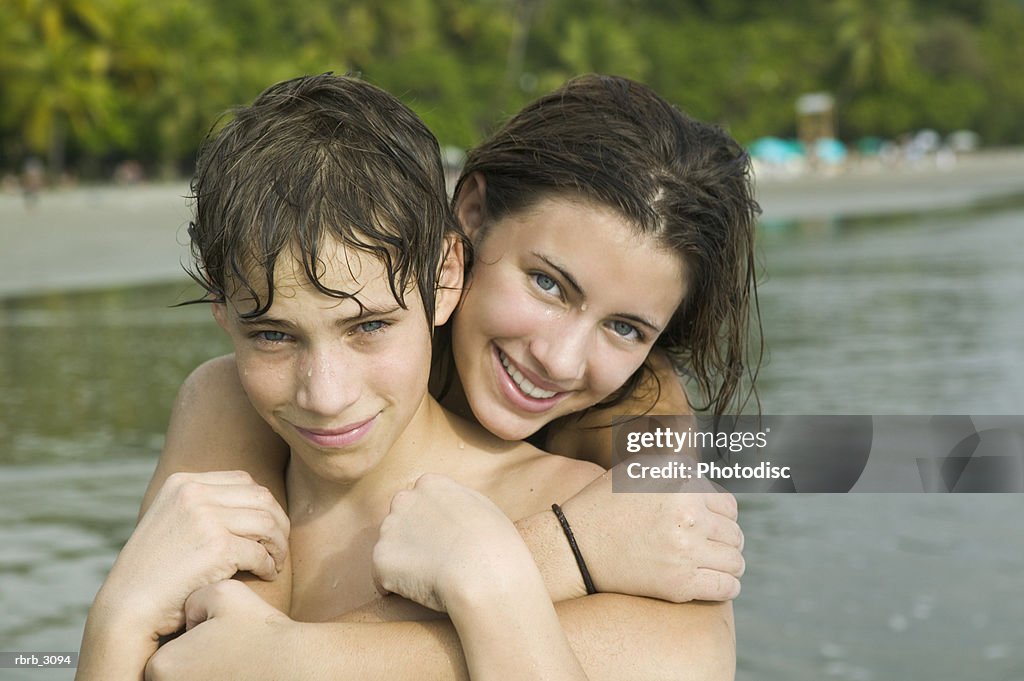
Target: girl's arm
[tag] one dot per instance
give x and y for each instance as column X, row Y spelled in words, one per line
column 678, row 547
column 213, row 427
column 449, row 548
column 201, row 529
column 688, row 541
column 639, row 544
column 234, row 634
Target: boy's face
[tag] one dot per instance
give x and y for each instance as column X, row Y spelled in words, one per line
column 339, row 383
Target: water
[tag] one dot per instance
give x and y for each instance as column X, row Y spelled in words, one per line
column 911, row 315
column 915, row 315
column 86, row 385
column 882, row 586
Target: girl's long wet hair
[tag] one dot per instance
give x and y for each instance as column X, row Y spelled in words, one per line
column 688, row 184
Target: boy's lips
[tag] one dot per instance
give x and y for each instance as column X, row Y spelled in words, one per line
column 335, row 438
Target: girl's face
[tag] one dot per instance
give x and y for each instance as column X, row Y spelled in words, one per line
column 563, row 304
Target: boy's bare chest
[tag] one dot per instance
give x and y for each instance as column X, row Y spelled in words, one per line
column 331, row 569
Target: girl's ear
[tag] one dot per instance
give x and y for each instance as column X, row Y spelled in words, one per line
column 449, row 280
column 470, row 204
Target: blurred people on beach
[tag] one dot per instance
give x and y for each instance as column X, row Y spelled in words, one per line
column 33, row 178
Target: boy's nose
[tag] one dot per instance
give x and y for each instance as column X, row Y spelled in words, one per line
column 327, row 385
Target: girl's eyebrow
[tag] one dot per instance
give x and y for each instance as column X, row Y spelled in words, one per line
column 564, row 272
column 644, row 321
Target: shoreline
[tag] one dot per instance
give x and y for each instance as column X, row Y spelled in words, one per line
column 91, row 237
column 870, row 190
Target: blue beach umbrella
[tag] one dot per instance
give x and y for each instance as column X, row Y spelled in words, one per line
column 830, row 151
column 775, row 151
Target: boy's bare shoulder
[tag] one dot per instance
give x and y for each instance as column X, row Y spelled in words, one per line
column 217, row 376
column 212, row 408
column 536, row 479
column 517, row 476
column 564, row 472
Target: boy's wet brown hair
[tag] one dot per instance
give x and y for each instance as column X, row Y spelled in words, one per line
column 311, row 158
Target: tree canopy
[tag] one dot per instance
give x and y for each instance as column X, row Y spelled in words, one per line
column 89, row 82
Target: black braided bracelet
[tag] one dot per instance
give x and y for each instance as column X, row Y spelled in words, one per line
column 587, row 581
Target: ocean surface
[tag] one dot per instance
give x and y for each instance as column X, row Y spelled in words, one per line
column 898, row 314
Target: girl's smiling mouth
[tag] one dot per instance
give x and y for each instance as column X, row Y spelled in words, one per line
column 520, row 390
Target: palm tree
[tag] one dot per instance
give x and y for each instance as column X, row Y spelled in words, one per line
column 56, row 65
column 875, row 43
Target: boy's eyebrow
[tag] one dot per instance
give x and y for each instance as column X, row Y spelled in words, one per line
column 644, row 321
column 364, row 312
column 371, row 311
column 264, row 320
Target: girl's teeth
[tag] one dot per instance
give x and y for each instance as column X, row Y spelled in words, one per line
column 523, row 382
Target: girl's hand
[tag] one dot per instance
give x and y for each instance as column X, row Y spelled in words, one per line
column 443, row 542
column 232, row 634
column 682, row 545
column 202, row 528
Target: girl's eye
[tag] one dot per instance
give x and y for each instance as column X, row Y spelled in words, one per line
column 544, row 282
column 372, row 327
column 627, row 331
column 271, row 336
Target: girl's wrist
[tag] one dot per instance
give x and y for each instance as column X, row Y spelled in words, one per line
column 492, row 583
column 113, row 646
column 552, row 555
column 577, row 554
column 129, row 617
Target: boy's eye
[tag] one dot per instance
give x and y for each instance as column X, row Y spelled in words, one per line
column 626, row 330
column 271, row 336
column 371, row 327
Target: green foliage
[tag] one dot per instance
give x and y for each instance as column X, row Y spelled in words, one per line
column 94, row 81
column 1003, row 50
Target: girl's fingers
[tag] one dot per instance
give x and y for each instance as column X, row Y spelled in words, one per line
column 198, row 492
column 712, row 585
column 252, row 556
column 721, row 558
column 260, row 527
column 725, row 531
column 212, row 600
column 722, row 503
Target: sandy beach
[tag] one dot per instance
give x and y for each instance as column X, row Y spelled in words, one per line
column 93, row 237
column 875, row 190
column 98, row 236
